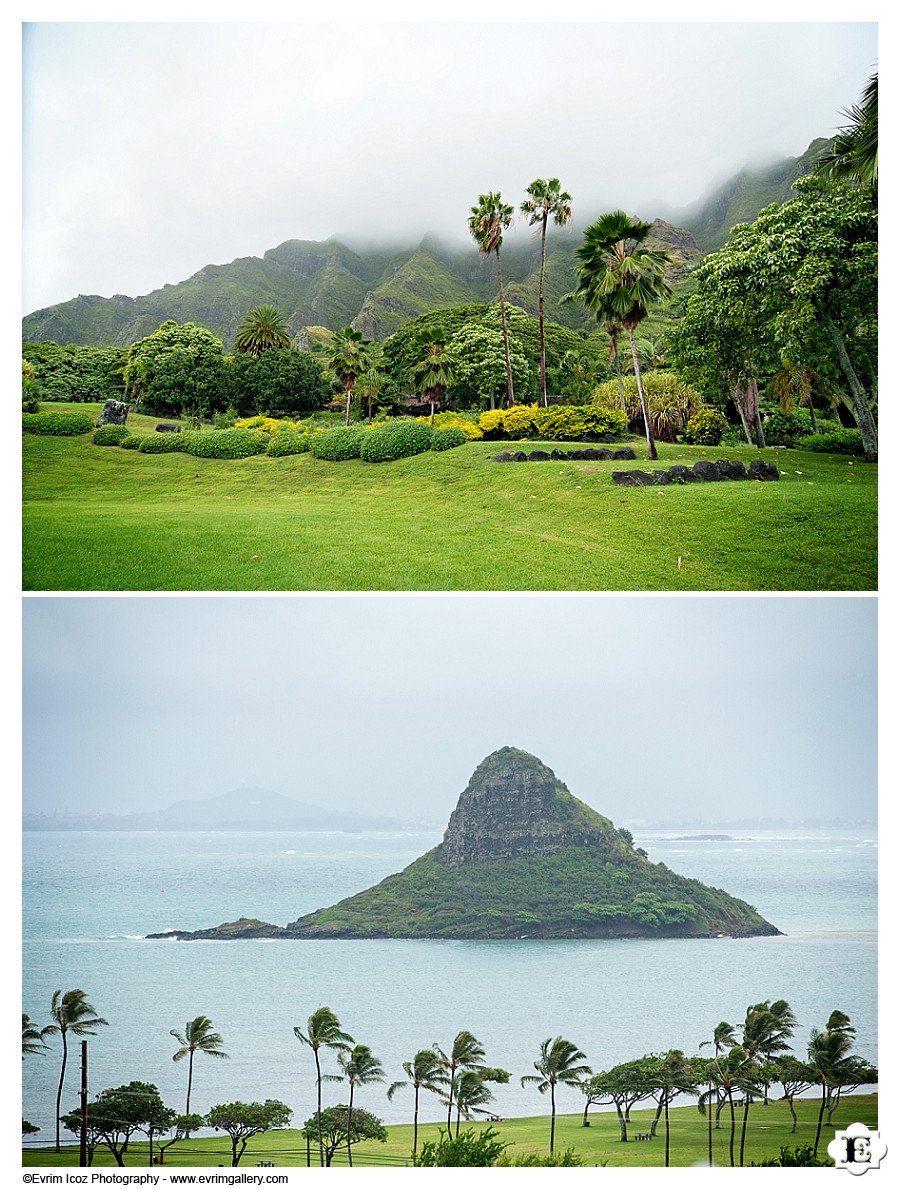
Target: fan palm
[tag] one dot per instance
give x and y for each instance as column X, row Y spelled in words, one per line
column 467, row 1053
column 853, row 156
column 435, row 367
column 198, row 1036
column 620, row 278
column 424, row 1072
column 323, row 1031
column 70, row 1012
column 545, row 201
column 260, row 330
column 361, row 1068
column 558, row 1063
column 487, row 223
column 350, row 356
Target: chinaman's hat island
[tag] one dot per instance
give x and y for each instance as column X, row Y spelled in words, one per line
column 520, row 858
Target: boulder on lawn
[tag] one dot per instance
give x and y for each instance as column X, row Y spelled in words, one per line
column 115, row 412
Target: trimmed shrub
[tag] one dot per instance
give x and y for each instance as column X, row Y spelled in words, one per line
column 570, row 423
column 132, row 442
column 448, row 437
column 338, row 444
column 706, row 427
column 287, row 441
column 398, row 439
column 468, row 425
column 111, row 435
column 226, row 443
column 162, row 443
column 58, row 424
column 838, row 441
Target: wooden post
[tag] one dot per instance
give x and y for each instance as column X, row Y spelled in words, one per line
column 82, row 1156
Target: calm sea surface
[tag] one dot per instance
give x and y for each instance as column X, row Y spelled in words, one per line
column 89, row 899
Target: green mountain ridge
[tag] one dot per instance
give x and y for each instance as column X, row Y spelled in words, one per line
column 521, row 858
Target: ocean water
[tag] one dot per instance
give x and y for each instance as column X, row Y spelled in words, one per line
column 89, row 899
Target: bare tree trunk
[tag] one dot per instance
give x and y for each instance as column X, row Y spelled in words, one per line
column 861, row 411
column 541, row 310
column 651, row 445
column 511, row 399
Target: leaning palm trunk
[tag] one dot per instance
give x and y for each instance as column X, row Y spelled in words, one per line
column 62, row 1076
column 349, row 1122
column 861, row 411
column 821, row 1116
column 744, row 1127
column 651, row 445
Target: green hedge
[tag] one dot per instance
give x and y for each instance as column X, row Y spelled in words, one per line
column 338, row 444
column 162, row 443
column 706, row 427
column 226, row 443
column 399, row 439
column 839, row 441
column 132, row 442
column 110, row 435
column 446, row 439
column 58, row 424
column 288, row 442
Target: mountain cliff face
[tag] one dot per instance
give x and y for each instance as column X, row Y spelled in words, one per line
column 523, row 858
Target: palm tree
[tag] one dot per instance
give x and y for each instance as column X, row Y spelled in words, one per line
column 32, row 1037
column 724, row 1073
column 619, row 278
column 614, row 328
column 558, row 1063
column 469, row 1093
column 424, row 1072
column 466, row 1053
column 827, row 1052
column 361, row 1068
column 486, row 223
column 323, row 1030
column 853, row 155
column 350, row 356
column 545, row 200
column 70, row 1012
column 198, row 1035
column 767, row 1029
column 675, row 1076
column 435, row 367
column 260, row 330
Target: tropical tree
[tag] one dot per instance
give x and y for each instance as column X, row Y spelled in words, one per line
column 242, row 1120
column 466, row 1053
column 70, row 1012
column 545, row 201
column 619, row 278
column 435, row 368
column 622, row 1087
column 260, row 330
column 198, row 1036
column 724, row 1074
column 424, row 1072
column 795, row 1077
column 468, row 1090
column 182, row 1129
column 481, row 360
column 559, row 1062
column 767, row 1029
column 360, row 1067
column 350, row 356
column 332, row 1124
column 828, row 1053
column 32, row 1037
column 853, row 154
column 675, row 1074
column 487, row 222
column 175, row 368
column 323, row 1031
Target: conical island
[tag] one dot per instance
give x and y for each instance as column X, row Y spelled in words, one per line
column 522, row 858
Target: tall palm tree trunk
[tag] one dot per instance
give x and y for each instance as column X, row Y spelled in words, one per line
column 416, row 1121
column 667, row 1129
column 187, row 1105
column 744, row 1127
column 651, row 445
column 819, row 1125
column 511, row 399
column 731, row 1138
column 62, row 1077
column 349, row 387
column 552, row 1116
column 618, row 359
column 319, row 1096
column 349, row 1121
column 541, row 309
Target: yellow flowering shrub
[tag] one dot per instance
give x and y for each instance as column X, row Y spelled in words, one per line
column 450, row 420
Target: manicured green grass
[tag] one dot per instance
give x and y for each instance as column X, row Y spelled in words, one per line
column 102, row 518
column 769, row 1127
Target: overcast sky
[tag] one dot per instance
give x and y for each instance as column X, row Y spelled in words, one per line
column 151, row 150
column 648, row 708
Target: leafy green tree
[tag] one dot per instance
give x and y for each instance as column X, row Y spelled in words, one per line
column 260, row 330
column 795, row 1077
column 350, row 356
column 435, row 369
column 360, row 1067
column 622, row 1087
column 853, row 154
column 424, row 1072
column 481, row 361
column 117, row 1114
column 466, row 1052
column 198, row 1036
column 242, row 1120
column 29, row 1128
column 150, row 1113
column 182, row 1127
column 619, row 278
column 175, row 369
column 799, row 1157
column 279, row 382
column 323, row 1031
column 338, row 1130
column 470, row 1149
column 545, row 201
column 70, row 1012
column 75, row 372
column 851, row 1074
column 487, row 222
column 560, row 1062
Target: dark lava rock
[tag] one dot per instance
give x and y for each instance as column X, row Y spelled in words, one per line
column 504, row 457
column 520, row 456
column 758, row 469
column 575, row 455
column 683, row 474
column 558, row 455
column 731, row 468
column 707, row 472
column 623, row 453
column 168, row 427
column 632, row 479
column 538, row 456
column 662, row 477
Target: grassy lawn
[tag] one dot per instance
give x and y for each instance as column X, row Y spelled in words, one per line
column 769, row 1127
column 102, row 518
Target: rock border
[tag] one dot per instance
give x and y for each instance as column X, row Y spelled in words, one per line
column 701, row 472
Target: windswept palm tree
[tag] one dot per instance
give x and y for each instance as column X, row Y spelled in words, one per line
column 350, row 356
column 545, row 201
column 466, row 1053
column 424, row 1072
column 70, row 1012
column 198, row 1035
column 767, row 1029
column 724, row 1074
column 853, row 155
column 435, row 366
column 620, row 278
column 32, row 1037
column 361, row 1068
column 674, row 1076
column 323, row 1031
column 487, row 222
column 260, row 330
column 827, row 1053
column 470, row 1094
column 559, row 1062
